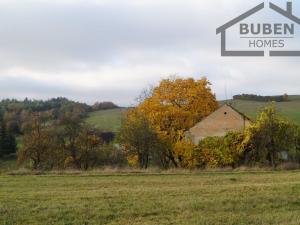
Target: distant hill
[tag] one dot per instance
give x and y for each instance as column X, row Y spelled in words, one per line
column 290, row 110
column 110, row 120
column 106, row 120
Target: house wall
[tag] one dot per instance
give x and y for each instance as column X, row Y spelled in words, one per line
column 218, row 123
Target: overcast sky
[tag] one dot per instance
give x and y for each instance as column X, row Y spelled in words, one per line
column 109, row 50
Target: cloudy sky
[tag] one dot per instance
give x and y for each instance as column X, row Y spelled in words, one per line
column 96, row 50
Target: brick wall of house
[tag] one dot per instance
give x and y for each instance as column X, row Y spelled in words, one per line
column 218, row 123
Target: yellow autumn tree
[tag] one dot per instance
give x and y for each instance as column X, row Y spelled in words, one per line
column 172, row 108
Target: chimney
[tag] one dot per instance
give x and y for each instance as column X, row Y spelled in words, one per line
column 289, row 8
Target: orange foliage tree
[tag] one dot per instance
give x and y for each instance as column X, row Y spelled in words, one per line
column 172, row 108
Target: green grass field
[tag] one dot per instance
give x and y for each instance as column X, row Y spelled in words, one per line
column 183, row 199
column 289, row 110
column 106, row 120
column 110, row 120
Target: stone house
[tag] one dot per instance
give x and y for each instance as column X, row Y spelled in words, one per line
column 218, row 123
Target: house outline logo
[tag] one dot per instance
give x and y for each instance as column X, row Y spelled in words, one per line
column 286, row 13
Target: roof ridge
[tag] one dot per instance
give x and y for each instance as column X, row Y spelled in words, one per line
column 239, row 112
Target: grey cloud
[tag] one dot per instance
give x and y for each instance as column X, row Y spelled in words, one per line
column 144, row 42
column 51, row 36
column 21, row 88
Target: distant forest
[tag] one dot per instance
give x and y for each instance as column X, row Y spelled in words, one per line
column 15, row 112
column 29, row 119
column 259, row 98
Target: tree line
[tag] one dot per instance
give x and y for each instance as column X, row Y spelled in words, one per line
column 67, row 142
column 259, row 98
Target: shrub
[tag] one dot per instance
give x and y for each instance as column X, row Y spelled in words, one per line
column 269, row 139
column 111, row 155
column 224, row 151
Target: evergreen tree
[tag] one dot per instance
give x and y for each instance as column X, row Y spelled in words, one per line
column 8, row 142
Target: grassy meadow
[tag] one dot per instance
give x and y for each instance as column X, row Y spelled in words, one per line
column 106, row 120
column 110, row 120
column 289, row 110
column 150, row 198
column 182, row 198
